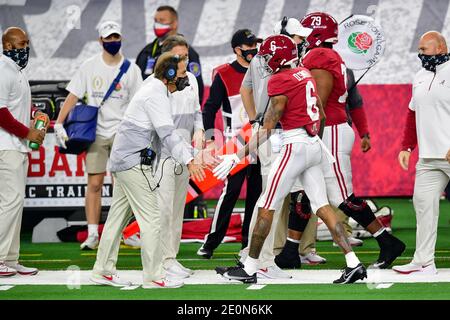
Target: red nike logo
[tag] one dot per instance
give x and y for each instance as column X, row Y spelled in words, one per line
column 109, row 278
column 264, row 270
column 161, row 284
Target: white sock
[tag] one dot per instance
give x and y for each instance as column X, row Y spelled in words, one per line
column 376, row 234
column 93, row 229
column 293, row 240
column 351, row 259
column 251, row 265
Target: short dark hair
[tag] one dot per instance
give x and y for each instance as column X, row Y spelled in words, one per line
column 173, row 41
column 170, row 9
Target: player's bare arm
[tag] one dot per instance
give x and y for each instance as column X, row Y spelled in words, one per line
column 272, row 117
column 324, row 83
column 323, row 117
column 249, row 102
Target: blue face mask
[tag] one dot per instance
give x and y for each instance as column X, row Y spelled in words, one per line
column 19, row 56
column 112, row 47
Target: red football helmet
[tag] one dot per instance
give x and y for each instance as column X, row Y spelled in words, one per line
column 325, row 28
column 277, row 51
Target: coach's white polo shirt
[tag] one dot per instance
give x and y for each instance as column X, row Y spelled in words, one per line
column 431, row 102
column 15, row 95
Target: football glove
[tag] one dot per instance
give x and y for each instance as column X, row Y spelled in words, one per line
column 229, row 161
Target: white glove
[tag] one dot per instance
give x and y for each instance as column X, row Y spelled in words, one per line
column 229, row 161
column 61, row 135
column 255, row 128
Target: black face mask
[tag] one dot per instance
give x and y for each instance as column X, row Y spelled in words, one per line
column 429, row 62
column 246, row 53
column 182, row 83
column 19, row 56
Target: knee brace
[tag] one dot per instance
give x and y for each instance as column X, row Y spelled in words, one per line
column 358, row 209
column 300, row 211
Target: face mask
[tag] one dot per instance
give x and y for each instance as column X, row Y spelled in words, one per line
column 246, row 53
column 429, row 62
column 19, row 56
column 112, row 47
column 161, row 29
column 182, row 83
column 301, row 48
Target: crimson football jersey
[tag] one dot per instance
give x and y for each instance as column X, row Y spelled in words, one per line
column 299, row 87
column 329, row 60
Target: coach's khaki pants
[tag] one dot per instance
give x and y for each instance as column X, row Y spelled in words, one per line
column 132, row 194
column 171, row 199
column 432, row 176
column 13, row 175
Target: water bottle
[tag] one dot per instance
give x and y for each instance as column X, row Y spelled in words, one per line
column 40, row 125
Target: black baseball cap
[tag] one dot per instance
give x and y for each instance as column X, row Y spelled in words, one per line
column 244, row 36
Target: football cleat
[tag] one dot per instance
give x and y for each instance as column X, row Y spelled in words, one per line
column 288, row 260
column 350, row 275
column 238, row 273
column 205, row 253
column 388, row 253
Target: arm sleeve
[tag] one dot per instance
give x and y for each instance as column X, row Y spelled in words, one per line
column 217, row 94
column 359, row 118
column 409, row 140
column 136, row 80
column 11, row 125
column 162, row 121
column 247, row 81
column 78, row 86
column 198, row 119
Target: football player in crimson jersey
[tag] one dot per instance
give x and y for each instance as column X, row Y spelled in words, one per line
column 329, row 72
column 294, row 103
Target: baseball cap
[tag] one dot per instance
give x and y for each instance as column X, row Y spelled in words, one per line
column 107, row 28
column 293, row 27
column 244, row 36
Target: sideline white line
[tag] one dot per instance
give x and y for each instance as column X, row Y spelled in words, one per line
column 375, row 277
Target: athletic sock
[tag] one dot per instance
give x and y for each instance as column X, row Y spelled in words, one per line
column 291, row 245
column 251, row 265
column 93, row 229
column 351, row 259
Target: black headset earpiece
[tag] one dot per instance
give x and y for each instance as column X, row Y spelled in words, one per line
column 172, row 68
column 284, row 23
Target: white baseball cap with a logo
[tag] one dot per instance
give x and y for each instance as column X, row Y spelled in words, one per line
column 293, row 27
column 108, row 28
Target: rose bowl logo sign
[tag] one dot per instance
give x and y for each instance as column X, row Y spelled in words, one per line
column 361, row 42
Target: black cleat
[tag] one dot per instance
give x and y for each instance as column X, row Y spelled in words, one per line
column 350, row 275
column 205, row 253
column 389, row 251
column 222, row 270
column 238, row 273
column 288, row 260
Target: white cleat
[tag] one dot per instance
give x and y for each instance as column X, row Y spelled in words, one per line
column 133, row 241
column 22, row 270
column 312, row 259
column 6, row 271
column 416, row 269
column 109, row 280
column 163, row 284
column 354, row 242
column 91, row 243
column 272, row 272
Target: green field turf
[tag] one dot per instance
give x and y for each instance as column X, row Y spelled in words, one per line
column 62, row 255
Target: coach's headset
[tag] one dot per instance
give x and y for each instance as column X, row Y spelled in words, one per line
column 171, row 71
column 284, row 23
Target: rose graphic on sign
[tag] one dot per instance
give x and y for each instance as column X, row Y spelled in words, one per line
column 360, row 42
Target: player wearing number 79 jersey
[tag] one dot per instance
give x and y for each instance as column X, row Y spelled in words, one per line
column 294, row 104
column 329, row 71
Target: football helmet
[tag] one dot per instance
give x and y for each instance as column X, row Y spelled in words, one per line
column 277, row 51
column 324, row 26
